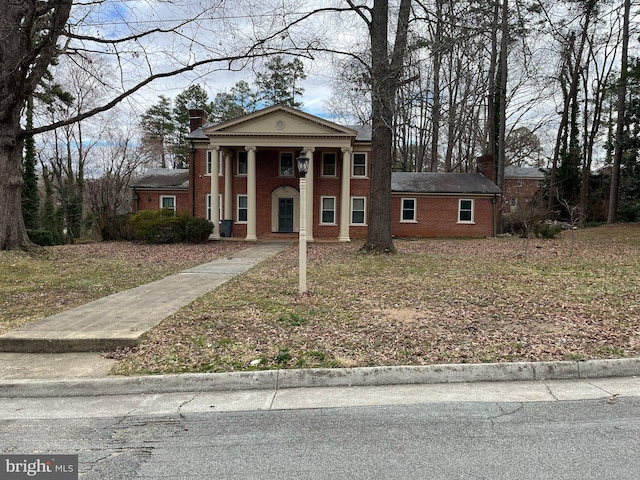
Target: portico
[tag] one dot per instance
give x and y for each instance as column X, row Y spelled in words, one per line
column 256, row 184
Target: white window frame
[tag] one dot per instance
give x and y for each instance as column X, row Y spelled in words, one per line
column 364, row 211
column 242, row 158
column 172, row 197
column 207, row 167
column 208, row 207
column 470, row 210
column 239, row 208
column 335, row 164
column 414, row 210
column 281, row 172
column 323, row 210
column 353, row 164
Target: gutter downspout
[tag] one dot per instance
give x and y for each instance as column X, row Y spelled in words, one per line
column 494, row 200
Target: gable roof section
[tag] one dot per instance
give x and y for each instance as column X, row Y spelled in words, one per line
column 165, row 178
column 443, row 183
column 279, row 125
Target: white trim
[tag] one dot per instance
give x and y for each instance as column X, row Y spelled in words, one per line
column 246, row 162
column 322, row 210
column 472, row 209
column 293, row 164
column 364, row 210
column 243, row 195
column 335, row 165
column 173, row 197
column 207, row 207
column 353, row 164
column 414, row 209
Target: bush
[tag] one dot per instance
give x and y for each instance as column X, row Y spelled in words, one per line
column 158, row 226
column 546, row 230
column 165, row 226
column 44, row 238
column 198, row 230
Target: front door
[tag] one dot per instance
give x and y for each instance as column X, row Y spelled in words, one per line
column 285, row 215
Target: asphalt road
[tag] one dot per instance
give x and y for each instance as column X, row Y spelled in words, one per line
column 180, row 436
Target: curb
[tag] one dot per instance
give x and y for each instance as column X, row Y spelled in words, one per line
column 320, row 377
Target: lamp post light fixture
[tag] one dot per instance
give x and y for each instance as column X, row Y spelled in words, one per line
column 303, row 167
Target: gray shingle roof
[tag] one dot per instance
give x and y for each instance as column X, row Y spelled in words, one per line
column 454, row 183
column 163, row 178
column 523, row 172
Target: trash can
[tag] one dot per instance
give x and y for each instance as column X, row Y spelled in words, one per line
column 226, row 228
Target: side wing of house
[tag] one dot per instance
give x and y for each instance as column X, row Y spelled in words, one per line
column 162, row 188
column 443, row 205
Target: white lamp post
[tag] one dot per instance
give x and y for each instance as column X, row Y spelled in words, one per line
column 303, row 166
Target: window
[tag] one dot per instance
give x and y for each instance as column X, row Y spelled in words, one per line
column 465, row 211
column 408, row 210
column 328, row 213
column 242, row 163
column 359, row 165
column 243, row 207
column 519, row 183
column 168, row 202
column 286, row 164
column 329, row 165
column 208, row 207
column 358, row 211
column 210, row 154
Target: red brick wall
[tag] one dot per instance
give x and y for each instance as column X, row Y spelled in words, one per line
column 150, row 200
column 437, row 216
column 523, row 194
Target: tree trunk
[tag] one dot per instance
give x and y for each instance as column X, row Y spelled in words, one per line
column 614, row 192
column 13, row 234
column 385, row 81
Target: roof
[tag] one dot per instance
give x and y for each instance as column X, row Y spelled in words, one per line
column 524, row 172
column 453, row 183
column 163, row 178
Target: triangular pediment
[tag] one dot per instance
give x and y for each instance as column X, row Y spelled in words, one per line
column 279, row 121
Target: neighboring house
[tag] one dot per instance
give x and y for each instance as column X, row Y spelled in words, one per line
column 521, row 184
column 254, row 185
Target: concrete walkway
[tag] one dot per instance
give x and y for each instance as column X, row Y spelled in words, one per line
column 119, row 320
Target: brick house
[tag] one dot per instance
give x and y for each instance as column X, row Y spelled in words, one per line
column 254, row 185
column 521, row 184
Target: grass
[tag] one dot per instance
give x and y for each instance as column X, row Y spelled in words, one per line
column 58, row 278
column 435, row 301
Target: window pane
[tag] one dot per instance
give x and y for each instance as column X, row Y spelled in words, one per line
column 242, row 163
column 286, row 165
column 357, row 217
column 329, row 165
column 465, row 216
column 359, row 165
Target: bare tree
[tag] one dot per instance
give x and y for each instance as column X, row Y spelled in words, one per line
column 107, row 193
column 145, row 47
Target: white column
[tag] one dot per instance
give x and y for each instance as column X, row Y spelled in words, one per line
column 215, row 191
column 345, row 196
column 251, row 194
column 309, row 188
column 228, row 188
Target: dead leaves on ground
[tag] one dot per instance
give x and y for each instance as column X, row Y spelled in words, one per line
column 435, row 301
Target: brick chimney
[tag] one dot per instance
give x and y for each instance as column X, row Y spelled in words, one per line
column 486, row 166
column 197, row 118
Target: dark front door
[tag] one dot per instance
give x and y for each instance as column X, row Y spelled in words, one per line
column 285, row 215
